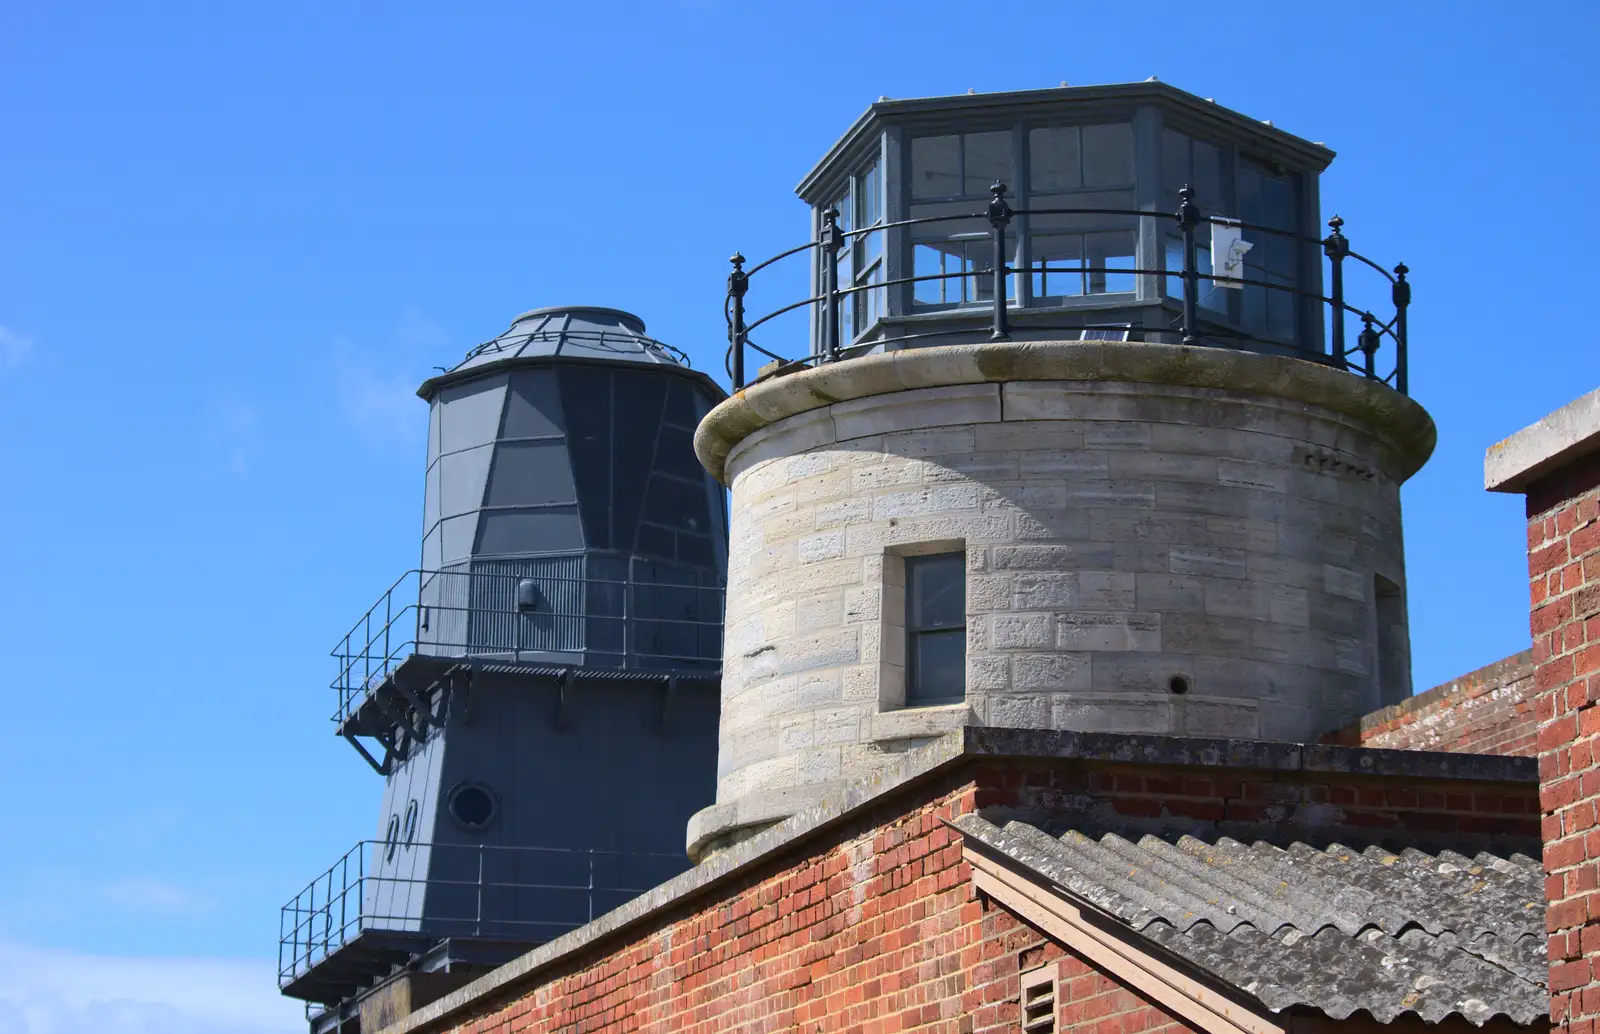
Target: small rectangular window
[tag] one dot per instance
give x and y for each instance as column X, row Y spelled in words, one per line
column 936, row 629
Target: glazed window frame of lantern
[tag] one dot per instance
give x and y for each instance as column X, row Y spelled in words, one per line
column 861, row 260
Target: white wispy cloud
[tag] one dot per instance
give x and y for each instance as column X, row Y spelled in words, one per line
column 14, row 348
column 48, row 991
column 234, row 431
column 377, row 387
column 163, row 897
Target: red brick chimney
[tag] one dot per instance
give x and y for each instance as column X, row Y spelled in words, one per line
column 1556, row 464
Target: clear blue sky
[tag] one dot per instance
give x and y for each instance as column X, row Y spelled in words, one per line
column 234, row 237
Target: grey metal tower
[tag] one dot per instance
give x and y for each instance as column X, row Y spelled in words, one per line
column 541, row 693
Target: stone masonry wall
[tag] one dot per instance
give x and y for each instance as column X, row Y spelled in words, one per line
column 1488, row 711
column 1564, row 582
column 1117, row 536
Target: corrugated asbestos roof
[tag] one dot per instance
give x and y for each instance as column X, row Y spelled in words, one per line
column 1336, row 929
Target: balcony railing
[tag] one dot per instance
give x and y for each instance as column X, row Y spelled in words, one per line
column 429, row 892
column 552, row 610
column 1378, row 352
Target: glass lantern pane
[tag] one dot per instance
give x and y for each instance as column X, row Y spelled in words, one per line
column 988, row 161
column 1112, row 250
column 1108, row 155
column 935, row 166
column 1053, row 160
column 1175, row 170
column 1058, row 265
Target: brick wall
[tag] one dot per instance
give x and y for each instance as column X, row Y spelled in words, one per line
column 1090, row 1002
column 1564, row 582
column 1488, row 711
column 881, row 932
column 873, row 925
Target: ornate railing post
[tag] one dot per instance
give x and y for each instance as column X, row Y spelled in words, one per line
column 999, row 219
column 738, row 283
column 1188, row 219
column 1402, row 301
column 1367, row 341
column 832, row 241
column 1336, row 247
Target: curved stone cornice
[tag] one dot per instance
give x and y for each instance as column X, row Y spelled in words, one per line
column 1402, row 423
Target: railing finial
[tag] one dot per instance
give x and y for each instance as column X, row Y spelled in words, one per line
column 1367, row 341
column 1402, row 302
column 832, row 241
column 738, row 283
column 999, row 219
column 1188, row 219
column 1336, row 247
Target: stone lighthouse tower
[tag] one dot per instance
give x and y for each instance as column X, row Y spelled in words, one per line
column 1098, row 428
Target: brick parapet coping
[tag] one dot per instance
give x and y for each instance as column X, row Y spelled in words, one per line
column 1024, row 770
column 1487, row 711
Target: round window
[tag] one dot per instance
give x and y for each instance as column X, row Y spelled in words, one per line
column 411, row 823
column 391, row 839
column 472, row 805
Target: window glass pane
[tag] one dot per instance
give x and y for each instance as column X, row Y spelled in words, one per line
column 1253, row 306
column 1211, row 296
column 869, row 197
column 1206, row 177
column 988, row 161
column 938, row 669
column 1278, row 203
column 1174, row 266
column 1280, row 311
column 846, row 211
column 1174, row 167
column 1113, row 250
column 1057, row 265
column 1108, row 155
column 937, row 587
column 1251, row 206
column 1053, row 160
column 936, row 166
column 928, row 260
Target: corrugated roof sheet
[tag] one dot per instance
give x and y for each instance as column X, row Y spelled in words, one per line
column 1336, row 928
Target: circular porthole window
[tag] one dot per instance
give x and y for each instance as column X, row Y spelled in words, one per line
column 472, row 805
column 1178, row 685
column 391, row 839
column 411, row 823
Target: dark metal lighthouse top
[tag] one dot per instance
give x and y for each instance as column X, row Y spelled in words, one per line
column 567, row 333
column 1127, row 212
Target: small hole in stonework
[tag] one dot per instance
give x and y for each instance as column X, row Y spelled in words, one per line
column 1178, row 685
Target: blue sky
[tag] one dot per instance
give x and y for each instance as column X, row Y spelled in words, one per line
column 234, row 237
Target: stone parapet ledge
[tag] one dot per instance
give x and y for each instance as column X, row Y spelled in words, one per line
column 1403, row 424
column 1539, row 450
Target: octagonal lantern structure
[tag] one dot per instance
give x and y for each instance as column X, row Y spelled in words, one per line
column 562, row 484
column 1080, row 165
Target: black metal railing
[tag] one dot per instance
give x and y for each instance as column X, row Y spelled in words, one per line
column 1361, row 357
column 650, row 617
column 623, row 342
column 434, row 891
